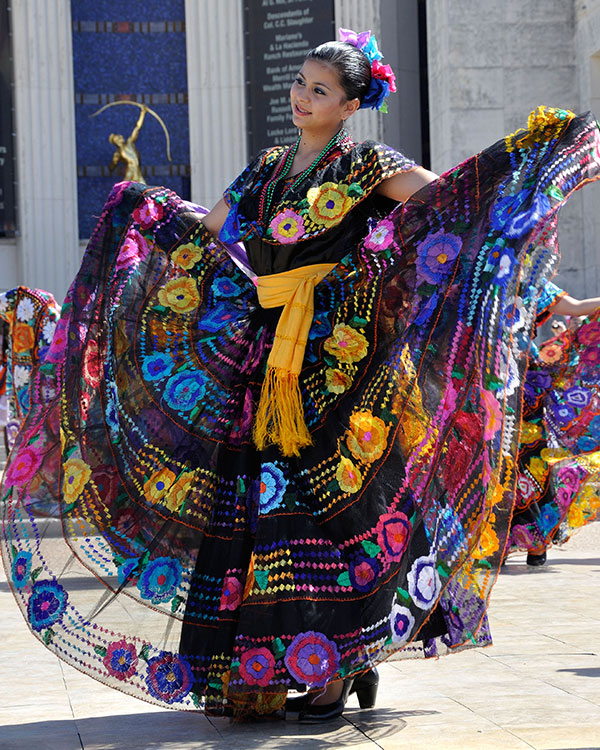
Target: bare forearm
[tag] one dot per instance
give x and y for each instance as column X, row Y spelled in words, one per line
column 568, row 305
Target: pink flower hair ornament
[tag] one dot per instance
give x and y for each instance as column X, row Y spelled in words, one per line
column 383, row 80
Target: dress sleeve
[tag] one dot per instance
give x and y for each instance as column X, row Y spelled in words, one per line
column 550, row 294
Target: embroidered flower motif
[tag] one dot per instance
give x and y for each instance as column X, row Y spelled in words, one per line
column 575, row 517
column 436, row 256
column 548, row 518
column 328, row 203
column 346, row 344
column 121, row 659
column 320, row 326
column 59, row 341
column 381, row 237
column 133, row 251
column 563, row 414
column 493, row 421
column 21, row 376
column 91, row 364
column 46, row 605
column 456, row 463
column 181, row 295
column 148, row 213
column 586, row 444
column 364, row 572
column 225, row 287
column 257, row 666
column 21, row 568
column 526, row 490
column 594, row 427
column 337, row 381
column 569, row 477
column 220, row 315
column 23, row 338
column 186, row 256
column 590, row 356
column 551, row 353
column 523, row 221
column 179, row 491
column 348, row 476
column 158, row 485
column 393, row 532
column 25, row 310
column 157, row 366
column 589, row 333
column 530, row 433
column 578, row 397
column 272, row 487
column 312, row 659
column 116, row 194
column 76, row 476
column 22, row 466
column 488, row 543
column 184, row 390
column 231, row 594
column 287, row 226
column 367, row 437
column 48, row 330
column 401, row 624
column 160, row 579
column 424, row 583
column 125, row 570
column 169, row 677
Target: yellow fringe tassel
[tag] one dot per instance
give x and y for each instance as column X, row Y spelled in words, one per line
column 279, row 419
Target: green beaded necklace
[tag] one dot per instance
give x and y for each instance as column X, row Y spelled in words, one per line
column 283, row 169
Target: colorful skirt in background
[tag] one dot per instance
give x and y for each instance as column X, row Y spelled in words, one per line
column 194, row 570
column 28, row 318
column 558, row 487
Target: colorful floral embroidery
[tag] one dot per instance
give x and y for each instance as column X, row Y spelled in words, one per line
column 346, row 344
column 287, row 226
column 424, row 583
column 348, row 476
column 367, row 438
column 169, row 677
column 328, row 203
column 186, row 256
column 257, row 666
column 312, row 659
column 76, row 475
column 121, row 659
column 271, row 487
column 47, row 604
column 160, row 580
column 21, row 568
column 181, row 295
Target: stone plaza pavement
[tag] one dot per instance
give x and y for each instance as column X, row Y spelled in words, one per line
column 537, row 687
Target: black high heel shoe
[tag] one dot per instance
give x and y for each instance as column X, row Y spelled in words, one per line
column 536, row 561
column 364, row 685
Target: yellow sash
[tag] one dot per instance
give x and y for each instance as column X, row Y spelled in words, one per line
column 279, row 419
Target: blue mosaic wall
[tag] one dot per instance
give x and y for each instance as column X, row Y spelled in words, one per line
column 128, row 51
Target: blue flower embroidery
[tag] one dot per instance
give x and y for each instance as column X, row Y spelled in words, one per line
column 160, row 579
column 217, row 318
column 272, row 487
column 46, row 605
column 21, row 568
column 225, row 287
column 157, row 366
column 184, row 389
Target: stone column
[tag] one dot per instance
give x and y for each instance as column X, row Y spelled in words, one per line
column 217, row 112
column 48, row 252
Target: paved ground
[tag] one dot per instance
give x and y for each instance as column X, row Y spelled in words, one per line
column 537, row 687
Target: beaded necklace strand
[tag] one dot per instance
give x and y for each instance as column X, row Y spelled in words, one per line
column 283, row 169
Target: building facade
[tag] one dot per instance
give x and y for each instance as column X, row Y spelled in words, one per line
column 468, row 71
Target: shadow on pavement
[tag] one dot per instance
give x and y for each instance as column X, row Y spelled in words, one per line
column 583, row 671
column 183, row 730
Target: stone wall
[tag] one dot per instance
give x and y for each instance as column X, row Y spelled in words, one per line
column 491, row 63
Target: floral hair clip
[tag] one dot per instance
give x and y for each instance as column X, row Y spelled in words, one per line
column 383, row 80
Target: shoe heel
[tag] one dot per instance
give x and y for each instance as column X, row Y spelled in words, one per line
column 367, row 695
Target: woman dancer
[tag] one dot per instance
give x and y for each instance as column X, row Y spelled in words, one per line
column 272, row 488
column 541, row 508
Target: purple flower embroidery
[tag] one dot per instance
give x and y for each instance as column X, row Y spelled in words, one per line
column 312, row 659
column 401, row 624
column 169, row 677
column 436, row 256
column 364, row 572
column 121, row 659
column 424, row 583
column 578, row 397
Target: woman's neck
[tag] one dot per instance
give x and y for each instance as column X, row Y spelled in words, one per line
column 313, row 143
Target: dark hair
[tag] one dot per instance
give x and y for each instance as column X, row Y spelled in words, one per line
column 351, row 65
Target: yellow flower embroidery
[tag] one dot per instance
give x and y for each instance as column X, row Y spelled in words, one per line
column 346, row 344
column 77, row 473
column 575, row 518
column 158, row 485
column 181, row 295
column 348, row 476
column 538, row 469
column 328, row 203
column 337, row 381
column 367, row 437
column 187, row 256
column 488, row 542
column 530, row 432
column 178, row 491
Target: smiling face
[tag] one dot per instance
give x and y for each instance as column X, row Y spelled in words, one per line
column 318, row 100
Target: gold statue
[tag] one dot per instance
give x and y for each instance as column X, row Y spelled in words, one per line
column 126, row 149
